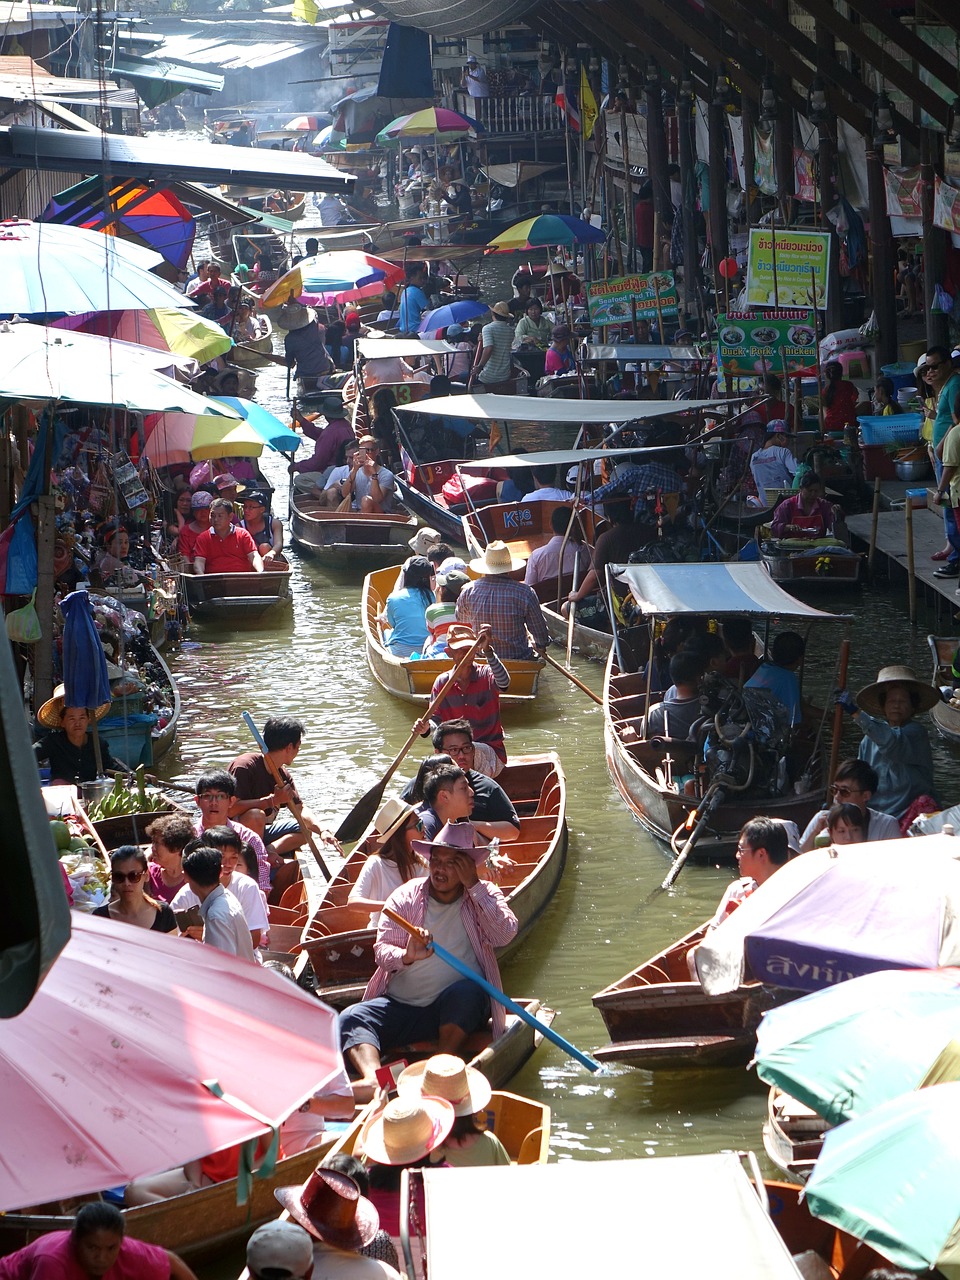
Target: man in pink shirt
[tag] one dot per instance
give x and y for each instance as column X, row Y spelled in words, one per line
column 225, row 547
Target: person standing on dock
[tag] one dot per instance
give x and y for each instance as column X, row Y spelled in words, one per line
column 944, row 384
column 475, row 79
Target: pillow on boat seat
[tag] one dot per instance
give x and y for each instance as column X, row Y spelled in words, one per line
column 480, row 489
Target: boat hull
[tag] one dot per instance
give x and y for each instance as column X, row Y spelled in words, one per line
column 815, row 572
column 433, row 513
column 236, row 598
column 944, row 716
column 345, row 540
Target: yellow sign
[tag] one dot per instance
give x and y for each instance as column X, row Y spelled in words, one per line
column 788, row 268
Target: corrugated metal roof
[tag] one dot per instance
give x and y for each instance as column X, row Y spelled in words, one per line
column 168, row 72
column 16, row 19
column 23, row 80
column 231, row 55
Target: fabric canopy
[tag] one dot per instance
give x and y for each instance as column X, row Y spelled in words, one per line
column 563, row 458
column 573, row 412
column 130, row 210
column 713, row 589
column 641, row 352
column 402, row 348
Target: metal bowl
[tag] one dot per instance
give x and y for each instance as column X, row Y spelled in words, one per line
column 909, row 471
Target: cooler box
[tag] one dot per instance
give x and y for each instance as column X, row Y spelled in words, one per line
column 901, row 374
column 130, row 738
column 877, row 462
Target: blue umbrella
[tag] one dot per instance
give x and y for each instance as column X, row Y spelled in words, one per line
column 85, row 679
column 275, row 433
column 452, row 313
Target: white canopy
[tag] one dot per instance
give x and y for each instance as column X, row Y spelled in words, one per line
column 402, row 348
column 584, row 1218
column 712, row 589
column 642, row 353
column 563, row 457
column 562, row 412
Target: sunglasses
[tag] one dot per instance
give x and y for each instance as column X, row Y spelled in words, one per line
column 213, row 796
column 127, row 877
column 846, row 791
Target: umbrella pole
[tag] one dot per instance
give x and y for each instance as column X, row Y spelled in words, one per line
column 97, row 751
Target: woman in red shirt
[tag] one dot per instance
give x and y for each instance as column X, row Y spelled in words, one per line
column 839, row 398
column 808, row 515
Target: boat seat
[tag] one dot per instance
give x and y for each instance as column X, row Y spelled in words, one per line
column 627, row 708
column 549, row 798
column 339, row 920
column 530, row 1147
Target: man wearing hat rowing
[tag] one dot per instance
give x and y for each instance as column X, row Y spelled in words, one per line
column 336, row 432
column 510, row 609
column 304, row 345
column 475, row 695
column 414, row 995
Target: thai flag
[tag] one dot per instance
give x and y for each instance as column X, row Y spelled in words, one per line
column 568, row 101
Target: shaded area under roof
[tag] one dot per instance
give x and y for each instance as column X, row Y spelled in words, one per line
column 456, row 17
column 163, row 160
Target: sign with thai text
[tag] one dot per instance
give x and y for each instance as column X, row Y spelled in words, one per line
column 788, row 268
column 616, row 301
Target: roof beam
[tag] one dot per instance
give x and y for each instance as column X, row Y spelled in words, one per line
column 671, row 52
column 908, row 40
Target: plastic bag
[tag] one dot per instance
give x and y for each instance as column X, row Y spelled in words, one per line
column 21, row 560
column 23, row 625
column 942, row 302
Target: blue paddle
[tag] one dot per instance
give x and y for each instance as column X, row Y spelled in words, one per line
column 495, row 994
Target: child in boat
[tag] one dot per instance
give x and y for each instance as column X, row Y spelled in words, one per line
column 441, row 615
column 469, row 1143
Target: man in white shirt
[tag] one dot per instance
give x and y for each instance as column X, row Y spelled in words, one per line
column 242, row 887
column 773, row 466
column 475, row 79
column 544, row 561
column 546, row 490
column 224, row 924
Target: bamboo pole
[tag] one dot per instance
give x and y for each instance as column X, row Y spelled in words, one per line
column 911, row 565
column 874, row 523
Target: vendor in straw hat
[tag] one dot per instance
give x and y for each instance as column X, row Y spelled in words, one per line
column 494, row 365
column 304, row 345
column 469, row 1142
column 68, row 748
column 894, row 745
column 341, row 1221
column 509, row 608
column 414, row 995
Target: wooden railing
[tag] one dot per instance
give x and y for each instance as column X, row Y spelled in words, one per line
column 522, row 114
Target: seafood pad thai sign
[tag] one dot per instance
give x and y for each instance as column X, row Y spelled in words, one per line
column 751, row 343
column 616, row 301
column 785, row 267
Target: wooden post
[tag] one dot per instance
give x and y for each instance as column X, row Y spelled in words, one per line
column 749, row 156
column 911, row 566
column 874, row 522
column 656, row 298
column 717, row 125
column 813, row 297
column 883, row 261
column 691, row 249
column 934, row 242
column 657, row 162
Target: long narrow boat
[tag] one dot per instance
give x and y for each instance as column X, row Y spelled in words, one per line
column 255, row 353
column 658, row 1017
column 412, row 678
column 338, row 938
column 828, row 565
column 346, row 540
column 647, row 772
column 236, row 597
column 944, row 715
column 792, row 1134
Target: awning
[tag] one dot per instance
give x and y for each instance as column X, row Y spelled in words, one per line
column 488, row 408
column 593, row 1204
column 165, row 160
column 232, row 54
column 640, row 352
column 564, row 457
column 714, row 590
column 24, row 80
column 518, row 172
column 158, row 81
column 402, row 348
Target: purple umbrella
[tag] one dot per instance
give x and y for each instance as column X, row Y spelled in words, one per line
column 453, row 313
column 86, row 682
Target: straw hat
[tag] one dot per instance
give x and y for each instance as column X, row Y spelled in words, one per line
column 390, row 817
column 423, row 540
column 868, row 699
column 502, row 309
column 447, row 1076
column 457, row 837
column 50, row 714
column 406, row 1129
column 497, row 558
column 329, row 1205
column 294, row 315
column 460, row 637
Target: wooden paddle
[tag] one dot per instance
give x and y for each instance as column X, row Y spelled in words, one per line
column 571, row 605
column 837, row 720
column 496, row 994
column 264, row 355
column 292, row 804
column 570, row 676
column 358, row 819
column 698, row 820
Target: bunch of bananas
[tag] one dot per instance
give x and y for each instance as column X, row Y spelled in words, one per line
column 121, row 800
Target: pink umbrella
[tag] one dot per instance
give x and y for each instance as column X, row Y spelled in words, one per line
column 140, row 1052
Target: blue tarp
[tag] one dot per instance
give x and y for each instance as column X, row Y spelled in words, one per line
column 405, row 71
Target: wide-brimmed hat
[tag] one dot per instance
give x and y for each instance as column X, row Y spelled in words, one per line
column 329, row 1205
column 390, row 817
column 294, row 315
column 424, row 540
column 201, row 499
column 502, row 309
column 497, row 558
column 406, row 1129
column 280, row 1247
column 457, row 836
column 50, row 714
column 331, row 406
column 868, row 699
column 447, row 1076
column 460, row 637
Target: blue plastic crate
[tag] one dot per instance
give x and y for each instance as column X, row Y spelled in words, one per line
column 901, row 374
column 895, row 428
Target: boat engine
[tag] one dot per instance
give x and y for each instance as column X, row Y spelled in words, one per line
column 744, row 735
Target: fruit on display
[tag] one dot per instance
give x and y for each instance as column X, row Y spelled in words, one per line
column 122, row 800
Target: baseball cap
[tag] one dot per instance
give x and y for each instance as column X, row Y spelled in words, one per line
column 201, row 499
column 255, row 495
column 280, row 1248
column 453, row 578
column 455, row 331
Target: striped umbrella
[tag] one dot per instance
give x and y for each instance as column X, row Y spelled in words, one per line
column 546, row 230
column 342, row 275
column 430, row 122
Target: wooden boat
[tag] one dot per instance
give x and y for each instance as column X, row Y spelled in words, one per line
column 127, row 828
column 345, row 539
column 165, row 735
column 236, row 597
column 339, row 940
column 645, row 771
column 412, row 678
column 255, row 353
column 944, row 715
column 659, row 1018
column 421, row 488
column 795, row 564
column 792, row 1134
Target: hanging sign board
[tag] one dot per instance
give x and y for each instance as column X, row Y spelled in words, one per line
column 784, row 267
column 616, row 301
column 752, row 343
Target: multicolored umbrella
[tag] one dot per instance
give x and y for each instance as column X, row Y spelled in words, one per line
column 304, row 123
column 892, row 1178
column 185, row 333
column 431, row 122
column 341, row 275
column 846, row 1050
column 545, row 231
column 174, row 438
column 130, row 210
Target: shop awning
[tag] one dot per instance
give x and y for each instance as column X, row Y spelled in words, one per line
column 165, row 160
column 201, row 49
column 157, row 81
column 24, row 80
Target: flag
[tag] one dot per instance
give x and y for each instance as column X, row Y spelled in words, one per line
column 306, row 11
column 588, row 104
column 566, row 100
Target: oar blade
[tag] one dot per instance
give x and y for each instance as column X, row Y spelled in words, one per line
column 362, row 813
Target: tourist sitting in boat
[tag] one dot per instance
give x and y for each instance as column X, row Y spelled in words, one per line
column 340, row 1221
column 304, row 346
column 336, row 430
column 280, row 1249
column 401, row 1135
column 614, row 546
column 391, row 860
column 68, row 748
column 846, row 824
column 181, row 516
column 675, row 717
column 216, row 789
column 414, row 995
column 370, row 486
column 128, row 901
column 470, row 1143
column 778, row 673
column 510, row 609
column 456, row 739
column 894, row 745
column 854, row 783
column 169, row 835
column 225, row 547
column 198, row 523
column 331, row 492
column 247, row 892
column 559, row 358
column 224, row 924
column 762, row 849
column 442, row 614
column 773, row 466
column 807, row 514
column 544, row 562
column 311, row 247
column 738, row 636
column 459, row 365
column 708, row 647
column 95, row 1247
column 266, row 531
column 447, row 799
column 209, row 280
column 406, row 607
column 545, row 486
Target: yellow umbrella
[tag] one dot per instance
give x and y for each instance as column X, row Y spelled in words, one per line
column 210, row 440
column 289, row 286
column 189, row 334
